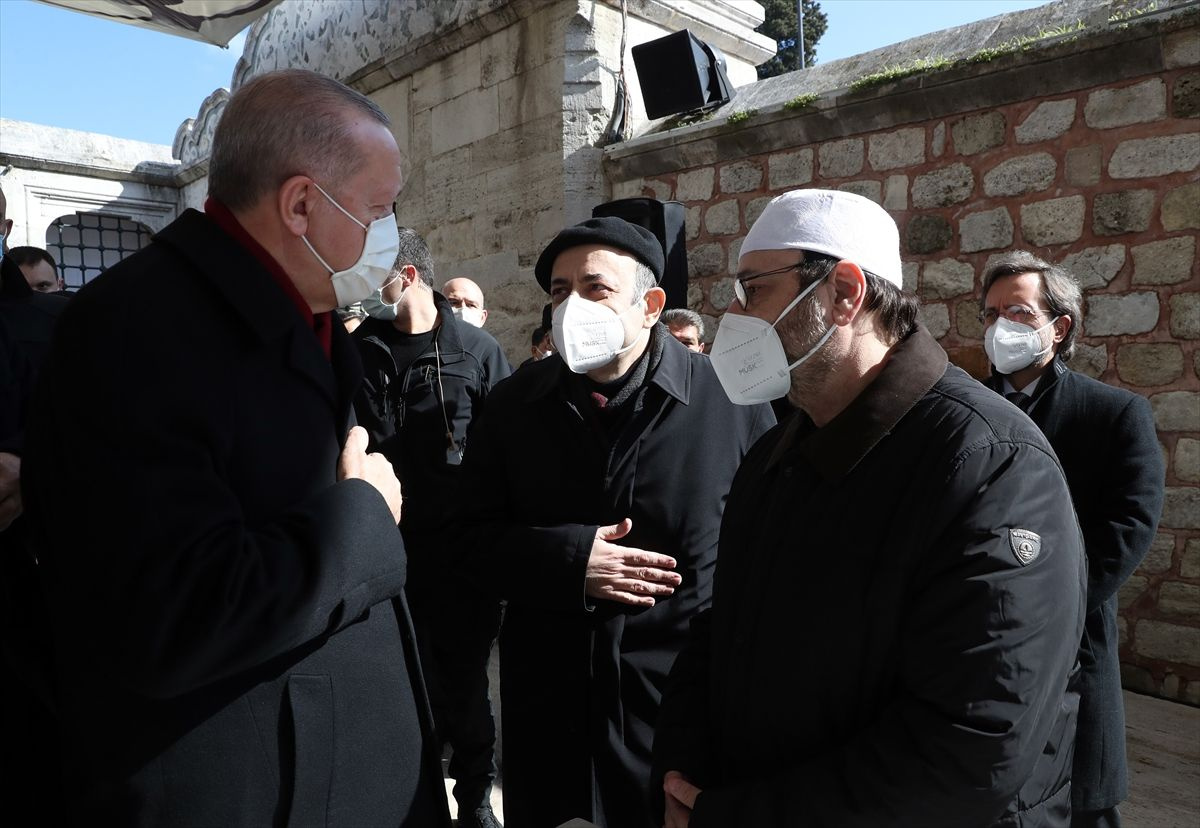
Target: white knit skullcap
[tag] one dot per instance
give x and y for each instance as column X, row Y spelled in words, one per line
column 832, row 222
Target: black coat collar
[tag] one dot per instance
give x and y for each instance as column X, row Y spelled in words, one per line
column 913, row 366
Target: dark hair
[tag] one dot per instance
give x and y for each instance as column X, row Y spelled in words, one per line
column 26, row 255
column 895, row 310
column 1060, row 291
column 682, row 317
column 414, row 251
column 285, row 123
column 539, row 333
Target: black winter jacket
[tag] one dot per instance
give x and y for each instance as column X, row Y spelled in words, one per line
column 894, row 621
column 406, row 416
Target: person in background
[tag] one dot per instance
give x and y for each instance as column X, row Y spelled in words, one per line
column 39, row 268
column 231, row 639
column 1107, row 444
column 900, row 588
column 466, row 298
column 541, row 346
column 352, row 316
column 427, row 377
column 687, row 326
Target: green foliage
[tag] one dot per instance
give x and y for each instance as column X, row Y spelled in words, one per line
column 688, row 118
column 1124, row 15
column 800, row 102
column 779, row 24
column 741, row 116
column 893, row 73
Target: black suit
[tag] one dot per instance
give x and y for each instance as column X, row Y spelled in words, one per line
column 229, row 648
column 1106, row 441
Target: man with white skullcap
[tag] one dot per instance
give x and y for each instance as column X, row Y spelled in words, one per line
column 899, row 590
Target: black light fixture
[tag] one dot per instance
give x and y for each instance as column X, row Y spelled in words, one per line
column 680, row 73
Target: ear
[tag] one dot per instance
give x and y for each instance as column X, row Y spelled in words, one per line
column 850, row 291
column 1061, row 327
column 656, row 300
column 295, row 201
column 483, row 315
column 409, row 275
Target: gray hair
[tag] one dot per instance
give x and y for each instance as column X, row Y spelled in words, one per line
column 643, row 280
column 1060, row 290
column 682, row 318
column 281, row 124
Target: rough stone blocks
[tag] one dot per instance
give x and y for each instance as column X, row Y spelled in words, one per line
column 790, row 169
column 695, row 185
column 987, row 230
column 1181, row 208
column 943, row 187
column 841, row 159
column 1082, row 166
column 1128, row 211
column 1165, row 262
column 1095, row 267
column 1176, row 411
column 1024, row 174
column 1048, row 121
column 1117, row 314
column 1149, row 364
column 901, row 148
column 947, row 278
column 741, row 177
column 928, row 233
column 976, row 133
column 1161, row 155
column 1185, row 315
column 723, row 218
column 1137, row 104
column 1056, row 221
column 936, row 318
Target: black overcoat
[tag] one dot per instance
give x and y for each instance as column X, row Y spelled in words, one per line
column 228, row 647
column 580, row 682
column 895, row 618
column 1108, row 446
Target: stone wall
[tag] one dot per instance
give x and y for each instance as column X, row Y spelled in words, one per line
column 1084, row 149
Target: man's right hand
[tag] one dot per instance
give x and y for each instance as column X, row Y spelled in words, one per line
column 373, row 468
column 624, row 574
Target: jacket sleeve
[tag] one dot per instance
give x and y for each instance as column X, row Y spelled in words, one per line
column 1119, row 531
column 986, row 648
column 159, row 566
column 500, row 554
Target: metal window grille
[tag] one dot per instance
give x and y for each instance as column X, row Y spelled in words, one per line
column 87, row 244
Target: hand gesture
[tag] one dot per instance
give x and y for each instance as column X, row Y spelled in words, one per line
column 628, row 575
column 373, row 468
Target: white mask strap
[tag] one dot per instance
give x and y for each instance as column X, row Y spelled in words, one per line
column 340, row 207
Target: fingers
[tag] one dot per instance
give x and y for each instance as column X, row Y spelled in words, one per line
column 681, row 789
column 652, row 575
column 640, row 557
column 612, row 594
column 616, row 531
column 356, row 440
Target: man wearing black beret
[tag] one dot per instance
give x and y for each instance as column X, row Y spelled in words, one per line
column 633, row 445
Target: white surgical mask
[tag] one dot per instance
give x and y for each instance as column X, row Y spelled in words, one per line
column 589, row 334
column 364, row 277
column 749, row 359
column 472, row 316
column 546, row 354
column 1012, row 346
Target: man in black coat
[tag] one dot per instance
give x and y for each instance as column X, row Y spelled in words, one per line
column 1105, row 439
column 895, row 615
column 427, row 375
column 226, row 581
column 629, row 444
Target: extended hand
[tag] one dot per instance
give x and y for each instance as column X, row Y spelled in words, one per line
column 10, row 488
column 681, row 799
column 625, row 574
column 373, row 468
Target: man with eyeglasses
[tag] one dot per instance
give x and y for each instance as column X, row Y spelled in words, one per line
column 231, row 641
column 896, row 617
column 1106, row 441
column 632, row 445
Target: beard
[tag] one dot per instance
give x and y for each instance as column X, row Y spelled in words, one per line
column 799, row 331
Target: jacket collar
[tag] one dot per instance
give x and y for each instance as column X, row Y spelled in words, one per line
column 673, row 374
column 1049, row 378
column 914, row 365
column 251, row 293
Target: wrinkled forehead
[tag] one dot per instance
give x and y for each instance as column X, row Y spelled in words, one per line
column 593, row 260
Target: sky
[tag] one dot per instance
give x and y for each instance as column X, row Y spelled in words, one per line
column 66, row 69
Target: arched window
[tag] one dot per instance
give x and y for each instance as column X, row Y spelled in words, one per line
column 87, row 244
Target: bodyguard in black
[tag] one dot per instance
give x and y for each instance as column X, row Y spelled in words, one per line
column 427, row 376
column 1105, row 439
column 899, row 588
column 592, row 505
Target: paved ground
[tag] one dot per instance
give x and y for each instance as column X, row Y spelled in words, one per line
column 1163, row 743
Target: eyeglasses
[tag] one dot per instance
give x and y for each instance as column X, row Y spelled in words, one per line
column 739, row 284
column 1013, row 313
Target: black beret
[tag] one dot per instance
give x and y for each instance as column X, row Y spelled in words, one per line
column 609, row 231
